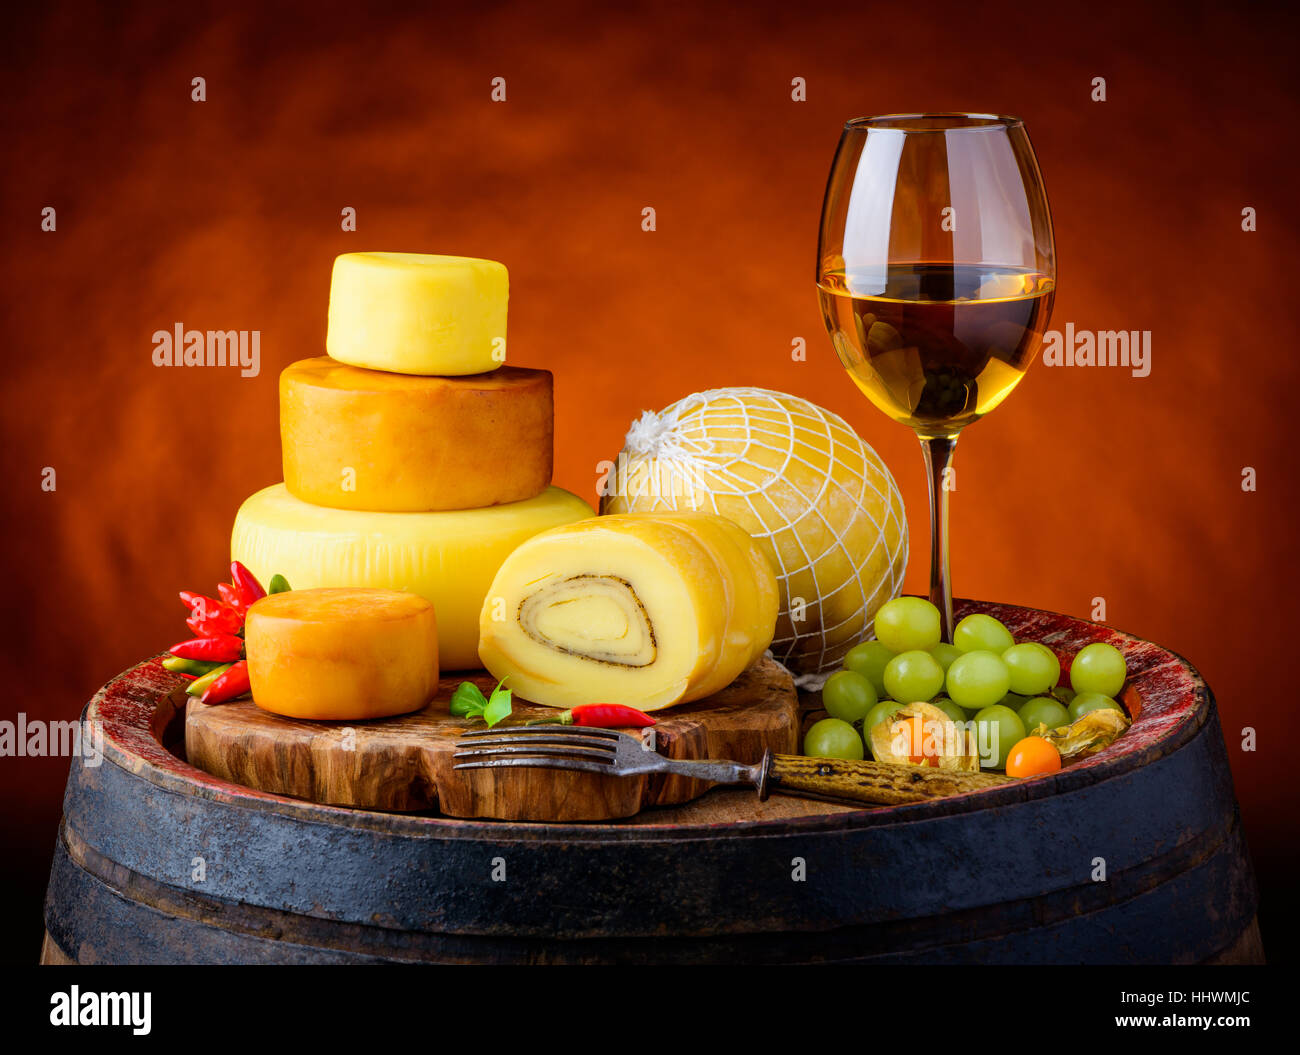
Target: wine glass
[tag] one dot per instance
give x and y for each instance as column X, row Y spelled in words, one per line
column 936, row 270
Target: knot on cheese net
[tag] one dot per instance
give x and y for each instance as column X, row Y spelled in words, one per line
column 819, row 501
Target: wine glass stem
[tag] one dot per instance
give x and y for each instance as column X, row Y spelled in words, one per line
column 938, row 452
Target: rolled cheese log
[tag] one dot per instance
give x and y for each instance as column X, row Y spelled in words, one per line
column 448, row 558
column 342, row 654
column 413, row 313
column 394, row 443
column 643, row 610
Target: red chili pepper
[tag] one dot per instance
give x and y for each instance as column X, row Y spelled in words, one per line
column 230, row 596
column 222, row 648
column 246, row 583
column 606, row 716
column 226, row 625
column 200, row 607
column 220, row 616
column 231, row 685
column 221, row 620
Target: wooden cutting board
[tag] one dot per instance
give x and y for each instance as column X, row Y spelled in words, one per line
column 405, row 764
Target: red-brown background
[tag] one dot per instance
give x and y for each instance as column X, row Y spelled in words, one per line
column 225, row 214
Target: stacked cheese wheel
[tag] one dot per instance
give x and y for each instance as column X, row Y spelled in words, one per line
column 414, row 459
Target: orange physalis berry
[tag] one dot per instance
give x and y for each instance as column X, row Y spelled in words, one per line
column 1033, row 756
column 919, row 742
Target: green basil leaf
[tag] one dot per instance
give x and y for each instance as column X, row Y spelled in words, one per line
column 467, row 701
column 499, row 706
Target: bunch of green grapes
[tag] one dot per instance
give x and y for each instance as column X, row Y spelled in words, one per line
column 1006, row 687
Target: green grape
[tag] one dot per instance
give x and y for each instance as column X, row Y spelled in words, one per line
column 945, row 654
column 1034, row 668
column 1091, row 701
column 848, row 695
column 1063, row 694
column 982, row 633
column 869, row 659
column 952, row 710
column 907, row 624
column 1098, row 668
column 978, row 679
column 1043, row 710
column 913, row 677
column 884, row 709
column 832, row 738
column 881, row 712
column 997, row 730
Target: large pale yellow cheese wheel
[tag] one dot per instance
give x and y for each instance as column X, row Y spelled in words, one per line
column 384, row 442
column 816, row 498
column 414, row 313
column 647, row 611
column 342, row 654
column 448, row 558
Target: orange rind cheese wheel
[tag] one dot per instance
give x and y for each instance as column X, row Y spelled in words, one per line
column 342, row 654
column 393, row 443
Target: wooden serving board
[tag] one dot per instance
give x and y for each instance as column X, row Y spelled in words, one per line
column 405, row 763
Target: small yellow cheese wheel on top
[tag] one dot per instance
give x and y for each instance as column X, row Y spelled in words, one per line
column 413, row 313
column 342, row 654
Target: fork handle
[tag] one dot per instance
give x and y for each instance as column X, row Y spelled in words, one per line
column 875, row 783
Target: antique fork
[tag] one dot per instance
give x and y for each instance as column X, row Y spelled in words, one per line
column 611, row 753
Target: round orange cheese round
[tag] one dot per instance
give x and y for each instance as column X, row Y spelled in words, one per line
column 342, row 654
column 397, row 443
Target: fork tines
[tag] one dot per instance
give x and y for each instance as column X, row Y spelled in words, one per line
column 540, row 746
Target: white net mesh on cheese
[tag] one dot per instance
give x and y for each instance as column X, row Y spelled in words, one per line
column 802, row 483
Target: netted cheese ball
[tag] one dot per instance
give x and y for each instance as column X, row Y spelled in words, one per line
column 816, row 498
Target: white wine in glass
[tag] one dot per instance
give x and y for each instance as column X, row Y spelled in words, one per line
column 936, row 269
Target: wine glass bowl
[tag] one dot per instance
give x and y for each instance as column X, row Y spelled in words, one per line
column 936, row 270
column 936, row 346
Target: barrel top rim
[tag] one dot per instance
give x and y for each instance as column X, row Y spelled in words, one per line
column 1174, row 702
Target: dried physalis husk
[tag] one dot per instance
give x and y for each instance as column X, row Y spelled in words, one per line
column 922, row 735
column 1086, row 735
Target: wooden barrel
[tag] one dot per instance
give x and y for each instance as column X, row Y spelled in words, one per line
column 1133, row 856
